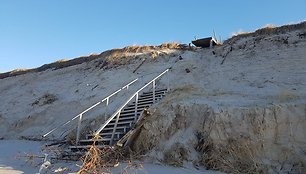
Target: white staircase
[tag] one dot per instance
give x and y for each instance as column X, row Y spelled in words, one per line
column 118, row 124
column 115, row 130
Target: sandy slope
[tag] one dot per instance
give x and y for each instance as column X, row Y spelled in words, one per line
column 251, row 71
column 12, row 156
column 254, row 72
column 246, row 115
column 75, row 89
column 15, row 160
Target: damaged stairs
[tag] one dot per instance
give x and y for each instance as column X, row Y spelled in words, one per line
column 125, row 123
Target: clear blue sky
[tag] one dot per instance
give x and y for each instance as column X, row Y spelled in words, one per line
column 36, row 32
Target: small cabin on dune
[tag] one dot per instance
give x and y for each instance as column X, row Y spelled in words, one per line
column 208, row 42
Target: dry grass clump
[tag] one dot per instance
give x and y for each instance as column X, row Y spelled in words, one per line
column 176, row 155
column 19, row 70
column 170, row 45
column 240, row 33
column 93, row 162
column 62, row 60
column 99, row 160
column 45, row 99
column 286, row 96
column 154, row 54
column 269, row 26
column 234, row 156
column 15, row 72
column 133, row 168
column 125, row 55
column 137, row 49
column 149, row 48
column 268, row 30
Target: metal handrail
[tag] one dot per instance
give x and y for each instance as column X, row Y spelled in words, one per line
column 117, row 113
column 88, row 109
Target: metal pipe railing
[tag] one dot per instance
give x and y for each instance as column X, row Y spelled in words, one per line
column 136, row 106
column 80, row 115
column 154, row 91
column 117, row 113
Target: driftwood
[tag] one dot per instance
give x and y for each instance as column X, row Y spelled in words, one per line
column 224, row 56
column 126, row 140
column 142, row 62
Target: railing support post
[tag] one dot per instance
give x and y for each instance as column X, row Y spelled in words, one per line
column 154, row 91
column 136, row 106
column 168, row 81
column 106, row 109
column 115, row 127
column 78, row 130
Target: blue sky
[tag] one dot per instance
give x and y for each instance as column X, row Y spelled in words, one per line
column 36, row 32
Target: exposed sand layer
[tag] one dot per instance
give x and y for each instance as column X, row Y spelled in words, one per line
column 251, row 90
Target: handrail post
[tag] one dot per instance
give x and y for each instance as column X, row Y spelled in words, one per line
column 78, row 129
column 115, row 127
column 136, row 106
column 168, row 81
column 106, row 109
column 154, row 91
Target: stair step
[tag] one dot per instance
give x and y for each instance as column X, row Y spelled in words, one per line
column 97, row 140
column 128, row 108
column 146, row 104
column 124, row 118
column 88, row 143
column 103, row 141
column 139, row 110
column 84, row 147
column 141, row 104
column 120, row 123
column 110, row 129
column 151, row 94
column 148, row 99
column 129, row 114
column 141, row 97
column 106, row 135
column 159, row 90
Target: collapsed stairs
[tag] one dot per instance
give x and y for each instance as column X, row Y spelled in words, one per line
column 125, row 123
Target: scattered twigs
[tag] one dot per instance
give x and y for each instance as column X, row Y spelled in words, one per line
column 132, row 168
column 100, row 159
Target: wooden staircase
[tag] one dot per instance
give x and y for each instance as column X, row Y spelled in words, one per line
column 126, row 120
